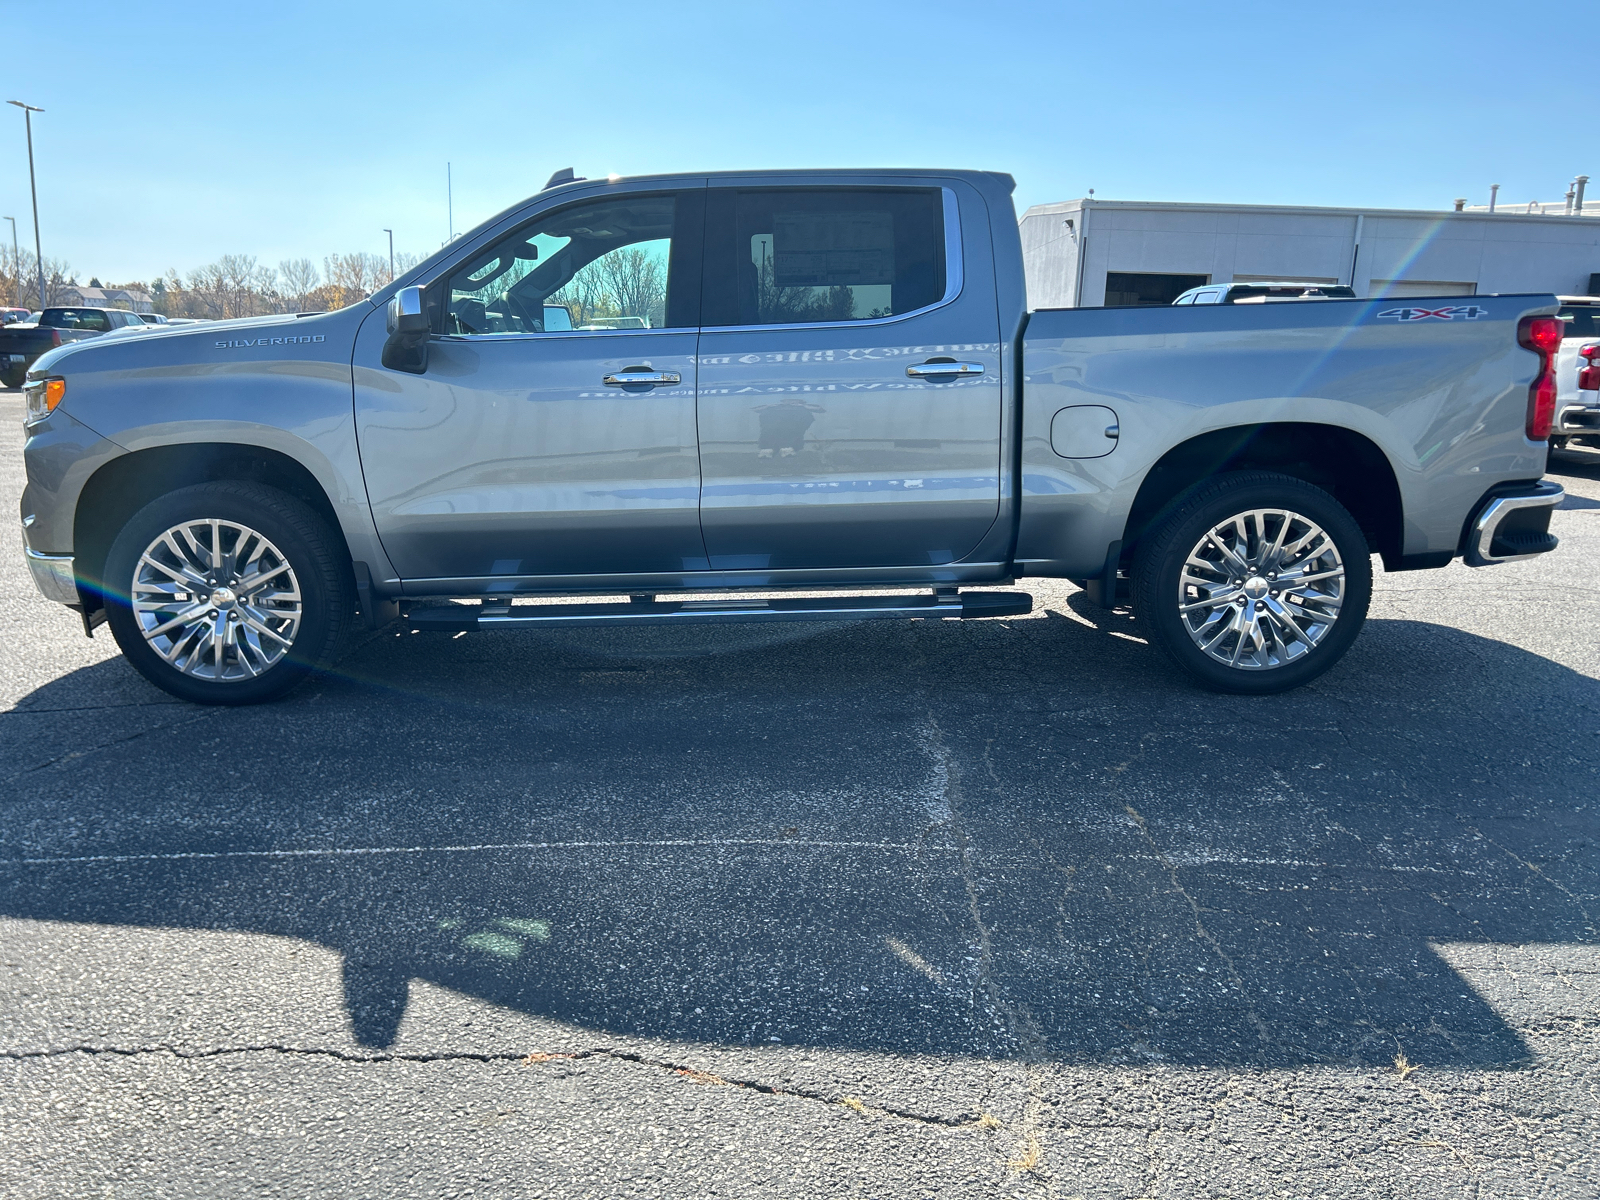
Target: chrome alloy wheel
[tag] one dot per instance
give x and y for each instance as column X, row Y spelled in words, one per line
column 1261, row 589
column 216, row 600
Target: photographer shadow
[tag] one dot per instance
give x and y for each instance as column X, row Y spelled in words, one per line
column 985, row 838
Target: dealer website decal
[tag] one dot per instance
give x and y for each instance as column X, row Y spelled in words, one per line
column 1450, row 312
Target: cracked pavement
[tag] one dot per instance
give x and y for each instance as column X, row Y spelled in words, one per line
column 1000, row 908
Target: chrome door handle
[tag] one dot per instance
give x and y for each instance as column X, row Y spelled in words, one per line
column 630, row 378
column 935, row 369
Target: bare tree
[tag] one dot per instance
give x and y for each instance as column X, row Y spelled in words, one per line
column 636, row 281
column 268, row 297
column 19, row 278
column 229, row 287
column 299, row 279
column 358, row 275
column 11, row 276
column 584, row 296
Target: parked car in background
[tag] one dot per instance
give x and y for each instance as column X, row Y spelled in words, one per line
column 22, row 344
column 11, row 316
column 152, row 318
column 1264, row 293
column 844, row 392
column 1577, row 364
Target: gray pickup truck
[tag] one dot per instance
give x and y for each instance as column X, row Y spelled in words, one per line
column 813, row 395
column 22, row 344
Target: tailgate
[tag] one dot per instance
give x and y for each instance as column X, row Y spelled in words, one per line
column 29, row 343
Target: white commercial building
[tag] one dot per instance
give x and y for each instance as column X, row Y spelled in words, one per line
column 1086, row 253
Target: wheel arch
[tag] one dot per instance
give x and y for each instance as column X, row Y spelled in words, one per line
column 1348, row 464
column 128, row 482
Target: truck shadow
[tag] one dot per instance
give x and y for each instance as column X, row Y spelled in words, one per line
column 1579, row 462
column 987, row 839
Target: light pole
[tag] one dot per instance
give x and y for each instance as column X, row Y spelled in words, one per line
column 16, row 259
column 390, row 232
column 38, row 253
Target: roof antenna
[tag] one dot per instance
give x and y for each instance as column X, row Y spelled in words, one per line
column 564, row 175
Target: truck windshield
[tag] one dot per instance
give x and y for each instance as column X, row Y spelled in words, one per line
column 1582, row 320
column 76, row 318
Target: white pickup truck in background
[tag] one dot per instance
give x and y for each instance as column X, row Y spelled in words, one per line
column 1578, row 374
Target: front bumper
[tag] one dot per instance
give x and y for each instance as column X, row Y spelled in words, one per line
column 53, row 575
column 1512, row 523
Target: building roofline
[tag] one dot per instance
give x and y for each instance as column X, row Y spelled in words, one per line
column 1064, row 206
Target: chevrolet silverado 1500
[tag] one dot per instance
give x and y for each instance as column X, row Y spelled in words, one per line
column 625, row 391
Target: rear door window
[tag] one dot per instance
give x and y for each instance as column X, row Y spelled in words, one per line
column 789, row 256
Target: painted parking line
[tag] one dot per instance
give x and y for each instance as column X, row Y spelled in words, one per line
column 359, row 851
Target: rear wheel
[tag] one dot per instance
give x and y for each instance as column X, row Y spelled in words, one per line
column 227, row 593
column 1259, row 583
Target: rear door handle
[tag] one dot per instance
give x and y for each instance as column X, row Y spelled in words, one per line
column 948, row 368
column 626, row 378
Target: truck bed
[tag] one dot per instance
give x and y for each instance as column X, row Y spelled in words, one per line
column 1442, row 400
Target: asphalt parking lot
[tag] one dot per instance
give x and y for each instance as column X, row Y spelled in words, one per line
column 887, row 909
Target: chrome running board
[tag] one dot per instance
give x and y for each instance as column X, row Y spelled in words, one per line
column 501, row 614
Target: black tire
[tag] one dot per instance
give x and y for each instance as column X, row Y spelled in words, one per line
column 13, row 379
column 1158, row 574
column 302, row 539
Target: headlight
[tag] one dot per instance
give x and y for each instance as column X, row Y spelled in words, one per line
column 41, row 397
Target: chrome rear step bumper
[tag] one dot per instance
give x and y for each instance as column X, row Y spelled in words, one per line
column 457, row 618
column 1513, row 524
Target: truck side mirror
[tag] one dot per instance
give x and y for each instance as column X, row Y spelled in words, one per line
column 407, row 318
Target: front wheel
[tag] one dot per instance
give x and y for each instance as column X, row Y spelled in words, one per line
column 1257, row 584
column 227, row 593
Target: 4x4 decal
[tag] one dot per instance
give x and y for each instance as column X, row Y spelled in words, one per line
column 1450, row 312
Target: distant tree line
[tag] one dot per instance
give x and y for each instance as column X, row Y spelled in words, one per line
column 236, row 285
column 19, row 279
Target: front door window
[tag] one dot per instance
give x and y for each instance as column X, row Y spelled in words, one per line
column 593, row 267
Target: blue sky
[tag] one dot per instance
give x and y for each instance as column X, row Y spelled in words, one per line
column 177, row 132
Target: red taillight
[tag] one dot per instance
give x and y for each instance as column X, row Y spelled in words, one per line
column 1542, row 335
column 1589, row 376
column 1541, row 407
column 55, row 337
